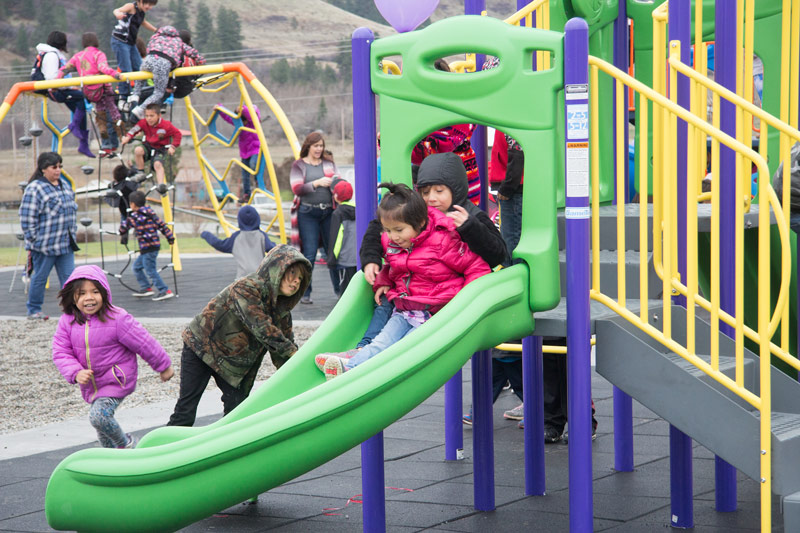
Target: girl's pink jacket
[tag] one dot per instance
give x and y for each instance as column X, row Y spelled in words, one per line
column 88, row 62
column 431, row 272
column 112, row 347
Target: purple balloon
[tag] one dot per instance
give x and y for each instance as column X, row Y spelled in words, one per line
column 406, row 15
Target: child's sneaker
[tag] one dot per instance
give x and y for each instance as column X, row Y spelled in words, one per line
column 320, row 359
column 137, row 112
column 132, row 442
column 144, row 293
column 163, row 295
column 467, row 419
column 334, row 366
column 515, row 413
column 38, row 316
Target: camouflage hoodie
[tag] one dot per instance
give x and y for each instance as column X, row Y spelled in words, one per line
column 249, row 317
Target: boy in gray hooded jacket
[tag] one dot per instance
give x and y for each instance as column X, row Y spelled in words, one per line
column 248, row 245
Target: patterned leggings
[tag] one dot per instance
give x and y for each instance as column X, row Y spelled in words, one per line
column 108, row 105
column 101, row 416
column 160, row 67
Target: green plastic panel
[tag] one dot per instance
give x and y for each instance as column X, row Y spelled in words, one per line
column 512, row 98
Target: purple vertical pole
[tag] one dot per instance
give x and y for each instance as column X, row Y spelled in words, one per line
column 482, row 431
column 623, row 404
column 478, row 140
column 681, row 444
column 577, row 212
column 453, row 427
column 533, row 391
column 621, row 62
column 623, row 432
column 364, row 139
column 725, row 65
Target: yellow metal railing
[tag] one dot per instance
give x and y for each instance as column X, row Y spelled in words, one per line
column 666, row 113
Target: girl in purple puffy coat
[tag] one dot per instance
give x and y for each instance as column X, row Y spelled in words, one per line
column 95, row 346
column 427, row 263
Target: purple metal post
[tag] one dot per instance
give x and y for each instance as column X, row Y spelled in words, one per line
column 621, row 62
column 725, row 75
column 482, row 431
column 680, row 443
column 478, row 139
column 533, row 387
column 364, row 139
column 623, row 404
column 577, row 213
column 453, row 427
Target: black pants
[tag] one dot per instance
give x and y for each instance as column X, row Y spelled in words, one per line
column 194, row 378
column 554, row 368
column 502, row 371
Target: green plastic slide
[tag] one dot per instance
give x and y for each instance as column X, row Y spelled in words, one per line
column 295, row 422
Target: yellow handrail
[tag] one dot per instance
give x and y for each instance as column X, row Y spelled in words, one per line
column 666, row 113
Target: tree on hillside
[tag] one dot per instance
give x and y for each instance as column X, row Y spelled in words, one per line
column 22, row 45
column 180, row 18
column 280, row 72
column 229, row 30
column 344, row 61
column 309, row 70
column 322, row 112
column 27, row 10
column 204, row 29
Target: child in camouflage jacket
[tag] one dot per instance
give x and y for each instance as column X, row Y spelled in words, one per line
column 229, row 338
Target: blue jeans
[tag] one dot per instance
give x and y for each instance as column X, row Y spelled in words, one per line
column 251, row 162
column 42, row 265
column 128, row 60
column 380, row 316
column 145, row 267
column 112, row 142
column 395, row 329
column 313, row 223
column 511, row 223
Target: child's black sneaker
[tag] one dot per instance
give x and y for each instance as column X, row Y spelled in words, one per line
column 163, row 295
column 144, row 293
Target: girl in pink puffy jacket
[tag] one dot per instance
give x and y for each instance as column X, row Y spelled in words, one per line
column 88, row 62
column 427, row 263
column 95, row 346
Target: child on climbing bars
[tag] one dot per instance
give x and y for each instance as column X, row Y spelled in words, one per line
column 160, row 139
column 427, row 264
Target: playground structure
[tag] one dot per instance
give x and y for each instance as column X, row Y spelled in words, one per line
column 731, row 399
column 215, row 78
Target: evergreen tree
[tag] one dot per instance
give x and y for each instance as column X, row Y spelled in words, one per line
column 27, row 10
column 180, row 17
column 44, row 23
column 280, row 72
column 22, row 46
column 344, row 61
column 204, row 29
column 310, row 71
column 322, row 112
column 328, row 75
column 229, row 30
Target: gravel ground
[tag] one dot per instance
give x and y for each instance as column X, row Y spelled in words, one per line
column 33, row 393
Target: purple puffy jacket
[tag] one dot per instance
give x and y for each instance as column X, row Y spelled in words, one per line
column 112, row 347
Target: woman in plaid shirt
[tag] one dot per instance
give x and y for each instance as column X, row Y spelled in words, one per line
column 48, row 216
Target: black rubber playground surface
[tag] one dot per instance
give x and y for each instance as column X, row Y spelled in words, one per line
column 423, row 491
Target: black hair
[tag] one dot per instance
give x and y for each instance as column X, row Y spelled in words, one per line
column 150, row 2
column 154, row 107
column 138, row 198
column 441, row 64
column 403, row 205
column 46, row 159
column 90, row 39
column 66, row 298
column 57, row 39
column 119, row 173
column 186, row 37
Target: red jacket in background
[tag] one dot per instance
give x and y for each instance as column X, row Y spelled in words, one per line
column 430, row 273
column 162, row 135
